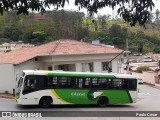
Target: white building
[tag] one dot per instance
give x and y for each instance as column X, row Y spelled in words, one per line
column 6, row 47
column 67, row 55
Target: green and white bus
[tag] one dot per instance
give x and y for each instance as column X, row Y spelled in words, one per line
column 45, row 88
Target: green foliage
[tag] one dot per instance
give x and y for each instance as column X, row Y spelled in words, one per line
column 138, row 12
column 143, row 68
column 12, row 33
column 55, row 25
column 40, row 36
column 118, row 35
column 74, row 25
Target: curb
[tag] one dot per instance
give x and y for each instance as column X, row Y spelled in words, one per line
column 7, row 97
column 151, row 85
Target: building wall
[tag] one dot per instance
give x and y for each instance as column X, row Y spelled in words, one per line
column 77, row 60
column 97, row 65
column 8, row 72
column 151, row 65
column 148, row 76
column 13, row 46
column 7, row 82
column 139, row 75
column 115, row 66
column 28, row 65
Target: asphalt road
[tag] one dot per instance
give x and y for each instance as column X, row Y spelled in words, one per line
column 149, row 100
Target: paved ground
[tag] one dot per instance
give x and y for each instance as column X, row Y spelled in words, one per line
column 149, row 100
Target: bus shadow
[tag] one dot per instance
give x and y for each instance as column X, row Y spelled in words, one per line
column 32, row 107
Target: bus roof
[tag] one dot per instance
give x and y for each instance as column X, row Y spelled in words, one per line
column 77, row 74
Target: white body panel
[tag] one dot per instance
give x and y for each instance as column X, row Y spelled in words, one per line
column 133, row 95
column 33, row 98
column 7, row 83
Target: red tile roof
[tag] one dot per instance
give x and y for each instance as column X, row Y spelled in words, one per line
column 39, row 17
column 60, row 47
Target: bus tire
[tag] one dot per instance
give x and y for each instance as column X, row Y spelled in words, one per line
column 102, row 102
column 45, row 102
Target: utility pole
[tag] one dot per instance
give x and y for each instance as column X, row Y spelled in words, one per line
column 127, row 56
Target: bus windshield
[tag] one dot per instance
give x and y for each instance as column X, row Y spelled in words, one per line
column 19, row 86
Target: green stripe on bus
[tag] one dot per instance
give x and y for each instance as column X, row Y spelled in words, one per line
column 81, row 75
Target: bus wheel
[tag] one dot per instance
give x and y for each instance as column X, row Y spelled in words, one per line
column 45, row 102
column 102, row 102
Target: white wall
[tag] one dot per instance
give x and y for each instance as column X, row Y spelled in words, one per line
column 97, row 66
column 115, row 66
column 146, row 76
column 78, row 67
column 28, row 65
column 7, row 78
column 8, row 73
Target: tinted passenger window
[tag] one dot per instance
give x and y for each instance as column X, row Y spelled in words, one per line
column 132, row 84
column 65, row 82
column 50, row 82
column 87, row 83
column 117, row 84
column 78, row 82
column 94, row 83
column 102, row 83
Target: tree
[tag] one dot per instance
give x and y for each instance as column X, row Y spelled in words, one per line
column 102, row 22
column 118, row 35
column 132, row 11
column 12, row 33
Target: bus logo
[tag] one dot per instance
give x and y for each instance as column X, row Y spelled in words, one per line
column 6, row 114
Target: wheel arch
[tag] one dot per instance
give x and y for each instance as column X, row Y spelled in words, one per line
column 47, row 96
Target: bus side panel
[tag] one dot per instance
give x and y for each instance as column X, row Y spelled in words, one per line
column 117, row 96
column 75, row 96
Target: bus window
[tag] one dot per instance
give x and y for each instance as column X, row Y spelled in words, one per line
column 62, row 82
column 65, row 82
column 87, row 83
column 54, row 82
column 50, row 82
column 94, row 83
column 132, row 84
column 78, row 82
column 102, row 83
column 125, row 84
column 117, row 84
column 30, row 82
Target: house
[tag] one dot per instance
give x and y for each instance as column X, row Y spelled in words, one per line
column 6, row 47
column 67, row 55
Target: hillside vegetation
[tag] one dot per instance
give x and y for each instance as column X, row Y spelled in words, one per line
column 38, row 29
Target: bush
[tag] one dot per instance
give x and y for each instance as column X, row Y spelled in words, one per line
column 143, row 68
